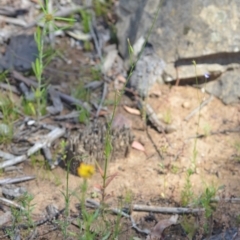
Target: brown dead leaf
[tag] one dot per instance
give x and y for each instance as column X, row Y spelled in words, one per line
column 156, row 233
column 110, row 178
column 121, row 79
column 138, row 146
column 121, row 121
column 99, row 169
column 132, row 110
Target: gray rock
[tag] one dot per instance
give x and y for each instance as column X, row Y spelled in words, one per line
column 227, row 88
column 184, row 29
column 20, row 53
column 228, row 234
column 148, row 70
column 11, row 191
column 205, row 31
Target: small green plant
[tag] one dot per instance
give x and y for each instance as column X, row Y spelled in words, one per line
column 88, row 217
column 86, row 171
column 64, row 224
column 9, row 115
column 207, row 129
column 187, row 192
column 38, row 66
column 100, row 8
column 22, row 215
column 167, row 117
column 174, row 169
column 96, row 73
column 236, row 145
column 189, row 225
column 205, row 201
column 31, row 107
column 25, row 201
column 238, row 219
column 86, row 21
column 83, row 116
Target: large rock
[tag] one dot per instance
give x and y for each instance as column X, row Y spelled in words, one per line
column 227, row 87
column 205, row 31
column 184, row 29
column 20, row 53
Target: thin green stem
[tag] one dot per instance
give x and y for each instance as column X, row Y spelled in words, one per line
column 117, row 101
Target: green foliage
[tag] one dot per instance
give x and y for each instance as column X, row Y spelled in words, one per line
column 167, row 117
column 81, row 93
column 237, row 148
column 83, row 116
column 96, row 73
column 38, row 67
column 187, row 192
column 86, row 19
column 100, row 7
column 22, row 215
column 174, row 169
column 207, row 129
column 188, row 223
column 37, row 105
column 9, row 115
column 205, row 201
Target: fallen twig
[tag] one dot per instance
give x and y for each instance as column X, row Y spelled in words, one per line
column 96, row 41
column 5, row 217
column 11, row 203
column 94, row 204
column 169, row 210
column 154, row 145
column 204, row 103
column 6, row 156
column 225, row 131
column 104, row 94
column 13, row 161
column 8, row 87
column 15, row 21
column 66, row 98
column 12, row 12
column 152, row 117
column 231, row 200
column 46, row 141
column 73, row 114
column 16, row 180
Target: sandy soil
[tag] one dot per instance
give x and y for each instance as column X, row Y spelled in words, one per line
column 147, row 178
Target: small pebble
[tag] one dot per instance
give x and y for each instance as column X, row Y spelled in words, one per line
column 186, row 105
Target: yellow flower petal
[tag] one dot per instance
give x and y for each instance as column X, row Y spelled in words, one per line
column 85, row 170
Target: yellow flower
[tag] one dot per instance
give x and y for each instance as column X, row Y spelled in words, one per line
column 85, row 170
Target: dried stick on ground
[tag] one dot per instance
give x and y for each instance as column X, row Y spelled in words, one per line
column 66, row 98
column 204, row 103
column 13, row 161
column 15, row 21
column 16, row 180
column 225, row 131
column 94, row 204
column 45, row 142
column 169, row 210
column 11, row 203
column 48, row 218
column 5, row 217
column 152, row 117
column 104, row 94
column 8, row 87
column 6, row 156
